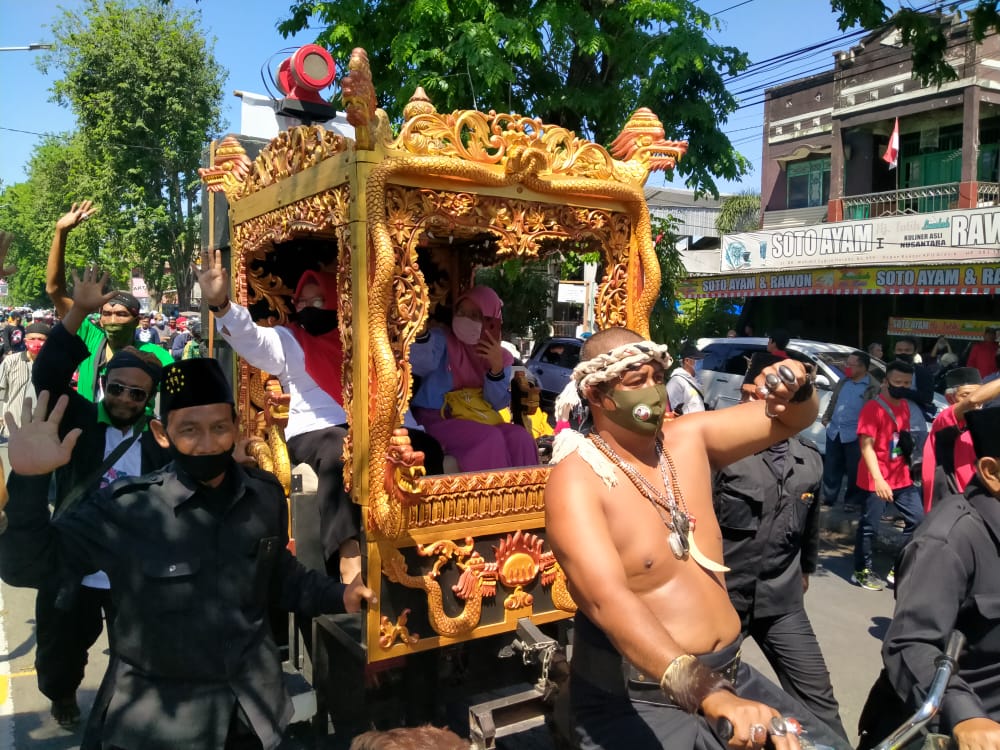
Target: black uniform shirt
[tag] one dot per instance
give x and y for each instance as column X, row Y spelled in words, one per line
column 191, row 578
column 768, row 510
column 949, row 578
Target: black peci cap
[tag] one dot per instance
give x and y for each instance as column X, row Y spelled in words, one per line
column 193, row 382
column 962, row 376
column 984, row 427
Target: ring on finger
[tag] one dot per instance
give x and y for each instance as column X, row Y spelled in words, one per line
column 778, row 728
column 758, row 734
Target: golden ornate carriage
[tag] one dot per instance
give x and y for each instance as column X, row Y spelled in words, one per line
column 460, row 556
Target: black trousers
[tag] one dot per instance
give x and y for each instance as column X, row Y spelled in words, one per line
column 240, row 736
column 339, row 518
column 64, row 636
column 608, row 711
column 790, row 647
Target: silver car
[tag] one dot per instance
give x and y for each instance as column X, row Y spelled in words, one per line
column 725, row 364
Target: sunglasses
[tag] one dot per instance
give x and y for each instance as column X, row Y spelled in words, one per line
column 135, row 394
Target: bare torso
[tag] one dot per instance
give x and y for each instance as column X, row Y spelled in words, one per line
column 690, row 602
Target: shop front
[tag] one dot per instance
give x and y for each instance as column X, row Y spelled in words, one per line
column 844, row 281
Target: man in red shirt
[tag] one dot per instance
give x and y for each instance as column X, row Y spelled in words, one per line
column 983, row 355
column 884, row 470
column 949, row 458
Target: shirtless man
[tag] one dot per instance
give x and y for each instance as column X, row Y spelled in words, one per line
column 650, row 596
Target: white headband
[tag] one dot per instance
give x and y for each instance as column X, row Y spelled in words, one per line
column 610, row 365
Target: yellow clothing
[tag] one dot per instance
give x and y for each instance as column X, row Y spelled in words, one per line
column 540, row 426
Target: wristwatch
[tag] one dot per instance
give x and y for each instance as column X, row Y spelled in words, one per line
column 216, row 308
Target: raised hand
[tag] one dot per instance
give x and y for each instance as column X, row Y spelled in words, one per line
column 6, row 238
column 490, row 350
column 34, row 447
column 79, row 213
column 212, row 278
column 88, row 290
column 779, row 383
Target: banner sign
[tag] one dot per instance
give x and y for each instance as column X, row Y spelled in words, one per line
column 957, row 236
column 139, row 290
column 570, row 292
column 954, row 279
column 970, row 330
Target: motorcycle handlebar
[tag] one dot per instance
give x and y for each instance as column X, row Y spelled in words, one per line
column 945, row 664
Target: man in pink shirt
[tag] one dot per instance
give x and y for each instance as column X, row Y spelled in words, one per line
column 983, row 355
column 949, row 458
column 886, row 446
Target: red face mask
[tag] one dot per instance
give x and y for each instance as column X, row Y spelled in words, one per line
column 848, row 371
column 33, row 346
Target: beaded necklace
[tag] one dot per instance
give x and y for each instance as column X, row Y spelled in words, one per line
column 678, row 519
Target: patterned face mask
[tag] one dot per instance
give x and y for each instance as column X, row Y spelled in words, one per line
column 640, row 410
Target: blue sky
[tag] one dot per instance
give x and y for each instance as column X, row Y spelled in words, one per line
column 246, row 36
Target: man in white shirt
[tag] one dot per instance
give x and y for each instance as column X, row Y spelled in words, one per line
column 683, row 390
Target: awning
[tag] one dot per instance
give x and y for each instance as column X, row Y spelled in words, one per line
column 950, row 279
column 966, row 330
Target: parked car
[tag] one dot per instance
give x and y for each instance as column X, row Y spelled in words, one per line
column 552, row 362
column 725, row 365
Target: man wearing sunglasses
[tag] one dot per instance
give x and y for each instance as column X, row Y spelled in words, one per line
column 119, row 311
column 114, row 443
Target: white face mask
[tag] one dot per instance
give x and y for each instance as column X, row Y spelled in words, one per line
column 467, row 330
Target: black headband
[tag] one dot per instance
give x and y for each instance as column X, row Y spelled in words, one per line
column 128, row 359
column 127, row 301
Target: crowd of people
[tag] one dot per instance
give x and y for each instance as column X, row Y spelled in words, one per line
column 682, row 531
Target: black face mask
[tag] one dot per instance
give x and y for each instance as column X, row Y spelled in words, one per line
column 898, row 393
column 202, row 468
column 317, row 321
column 905, row 357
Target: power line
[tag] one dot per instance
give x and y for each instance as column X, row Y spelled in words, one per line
column 784, row 60
column 67, row 136
column 732, row 7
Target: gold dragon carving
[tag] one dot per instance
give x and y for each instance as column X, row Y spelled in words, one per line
column 519, row 561
column 395, row 569
column 265, row 428
column 518, row 227
column 390, row 631
column 357, row 92
column 498, row 151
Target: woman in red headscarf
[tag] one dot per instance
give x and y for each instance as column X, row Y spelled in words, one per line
column 306, row 356
column 465, row 373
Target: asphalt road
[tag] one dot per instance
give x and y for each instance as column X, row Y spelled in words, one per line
column 849, row 622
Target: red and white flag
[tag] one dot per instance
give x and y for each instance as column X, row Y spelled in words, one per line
column 891, row 155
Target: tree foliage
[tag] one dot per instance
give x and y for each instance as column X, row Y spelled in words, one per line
column 582, row 64
column 146, row 90
column 664, row 325
column 526, row 290
column 739, row 213
column 59, row 175
column 925, row 33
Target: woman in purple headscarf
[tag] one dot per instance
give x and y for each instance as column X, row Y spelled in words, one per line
column 465, row 373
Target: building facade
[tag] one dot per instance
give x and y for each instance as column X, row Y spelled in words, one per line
column 851, row 248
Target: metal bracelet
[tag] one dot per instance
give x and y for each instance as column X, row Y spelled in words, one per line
column 686, row 682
